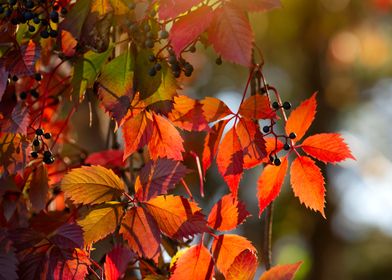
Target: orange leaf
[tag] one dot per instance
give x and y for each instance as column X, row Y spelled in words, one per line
column 166, row 141
column 327, row 147
column 172, row 8
column 116, row 262
column 244, row 266
column 230, row 160
column 156, row 177
column 270, row 183
column 188, row 114
column 231, row 34
column 252, row 142
column 227, row 213
column 302, row 117
column 141, row 231
column 137, row 132
column 226, row 248
column 188, row 28
column 257, row 107
column 196, row 264
column 272, row 145
column 281, row 272
column 211, row 143
column 176, row 216
column 308, row 183
column 214, row 109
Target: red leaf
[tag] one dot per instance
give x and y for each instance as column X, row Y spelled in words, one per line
column 226, row 248
column 157, row 177
column 211, row 143
column 252, row 142
column 230, row 160
column 18, row 121
column 244, row 266
column 188, row 114
column 23, row 61
column 270, row 183
column 302, row 117
column 196, row 264
column 308, row 183
column 189, row 27
column 166, row 141
column 172, row 8
column 214, row 109
column 281, row 272
column 257, row 5
column 116, row 262
column 137, row 132
column 108, row 158
column 227, row 213
column 141, row 231
column 176, row 216
column 70, row 265
column 257, row 107
column 231, row 34
column 327, row 147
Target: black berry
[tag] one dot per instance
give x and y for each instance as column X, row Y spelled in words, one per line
column 34, row 93
column 164, row 34
column 44, row 34
column 34, row 154
column 53, row 33
column 192, row 49
column 48, row 160
column 47, row 135
column 275, row 105
column 47, row 154
column 149, row 43
column 28, row 15
column 152, row 72
column 39, row 131
column 36, row 20
column 36, row 142
column 54, row 16
column 172, row 59
column 292, row 135
column 37, row 77
column 266, row 129
column 147, row 27
column 23, row 95
column 286, row 147
column 64, row 11
column 277, row 162
column 158, row 66
column 218, row 61
column 15, row 78
column 151, row 58
column 176, row 74
column 286, row 105
column 31, row 28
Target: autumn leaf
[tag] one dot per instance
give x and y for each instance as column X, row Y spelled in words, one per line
column 22, row 60
column 172, row 8
column 327, row 147
column 157, row 177
column 252, row 142
column 226, row 248
column 269, row 183
column 195, row 263
column 92, row 185
column 188, row 114
column 257, row 107
column 18, row 121
column 137, row 132
column 116, row 262
column 106, row 158
column 230, row 160
column 231, row 34
column 257, row 5
column 176, row 216
column 307, row 182
column 244, row 266
column 227, row 213
column 101, row 221
column 68, row 236
column 301, row 118
column 214, row 109
column 211, row 144
column 166, row 141
column 68, row 265
column 281, row 272
column 189, row 27
column 272, row 145
column 142, row 233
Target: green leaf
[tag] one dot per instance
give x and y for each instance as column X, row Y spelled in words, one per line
column 92, row 185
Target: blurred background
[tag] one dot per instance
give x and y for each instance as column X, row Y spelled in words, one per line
column 342, row 49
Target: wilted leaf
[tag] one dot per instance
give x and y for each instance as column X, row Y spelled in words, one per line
column 257, row 107
column 231, row 34
column 270, row 182
column 157, row 177
column 307, row 182
column 195, row 263
column 302, row 117
column 176, row 216
column 281, row 272
column 226, row 248
column 100, row 221
column 92, row 185
column 227, row 213
column 230, row 160
column 327, row 147
column 244, row 266
column 142, row 233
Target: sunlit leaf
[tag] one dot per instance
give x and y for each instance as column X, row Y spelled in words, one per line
column 257, row 107
column 281, row 272
column 244, row 266
column 116, row 262
column 106, row 158
column 214, row 109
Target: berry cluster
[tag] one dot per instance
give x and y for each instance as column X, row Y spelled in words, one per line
column 33, row 92
column 178, row 65
column 37, row 14
column 39, row 146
